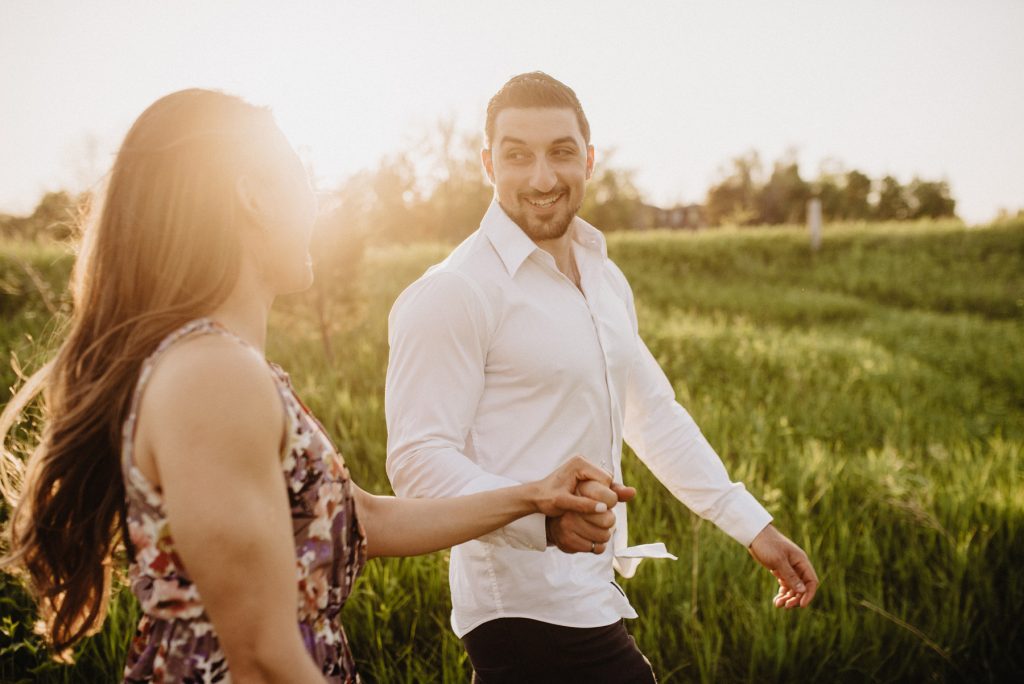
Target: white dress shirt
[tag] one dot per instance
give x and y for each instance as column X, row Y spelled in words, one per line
column 501, row 369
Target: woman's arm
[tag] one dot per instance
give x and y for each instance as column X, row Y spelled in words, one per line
column 213, row 424
column 409, row 527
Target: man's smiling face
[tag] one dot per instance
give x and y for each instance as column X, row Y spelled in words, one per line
column 539, row 164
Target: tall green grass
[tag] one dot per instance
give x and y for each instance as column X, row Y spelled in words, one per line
column 870, row 394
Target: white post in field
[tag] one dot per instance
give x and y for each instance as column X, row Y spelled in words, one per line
column 814, row 222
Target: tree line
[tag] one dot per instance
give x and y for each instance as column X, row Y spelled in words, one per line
column 436, row 190
column 748, row 195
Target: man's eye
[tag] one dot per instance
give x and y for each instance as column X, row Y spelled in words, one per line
column 564, row 152
column 515, row 156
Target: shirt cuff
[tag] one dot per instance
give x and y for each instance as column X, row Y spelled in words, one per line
column 740, row 515
column 529, row 533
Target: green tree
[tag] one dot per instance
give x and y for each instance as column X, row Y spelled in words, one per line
column 613, row 201
column 892, row 202
column 733, row 199
column 930, row 199
column 783, row 199
column 454, row 190
column 855, row 197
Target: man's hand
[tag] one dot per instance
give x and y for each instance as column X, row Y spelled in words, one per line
column 559, row 493
column 790, row 566
column 588, row 533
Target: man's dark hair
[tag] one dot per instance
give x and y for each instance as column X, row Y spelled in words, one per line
column 534, row 89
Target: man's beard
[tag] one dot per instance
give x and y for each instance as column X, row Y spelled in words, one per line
column 550, row 228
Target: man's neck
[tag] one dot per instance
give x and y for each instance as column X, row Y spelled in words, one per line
column 561, row 250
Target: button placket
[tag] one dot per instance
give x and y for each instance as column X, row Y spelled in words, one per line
column 589, row 286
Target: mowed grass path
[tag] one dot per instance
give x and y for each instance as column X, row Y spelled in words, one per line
column 871, row 395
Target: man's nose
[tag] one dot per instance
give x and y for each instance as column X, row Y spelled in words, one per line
column 543, row 177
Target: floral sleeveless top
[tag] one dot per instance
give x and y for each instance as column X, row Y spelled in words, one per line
column 175, row 640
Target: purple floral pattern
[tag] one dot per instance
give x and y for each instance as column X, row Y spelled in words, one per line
column 175, row 640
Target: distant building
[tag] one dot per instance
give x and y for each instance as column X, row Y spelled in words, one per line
column 681, row 216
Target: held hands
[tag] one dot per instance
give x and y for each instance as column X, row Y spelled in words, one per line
column 560, row 492
column 586, row 528
column 789, row 564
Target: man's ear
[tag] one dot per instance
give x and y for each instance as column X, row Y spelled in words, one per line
column 488, row 163
column 590, row 161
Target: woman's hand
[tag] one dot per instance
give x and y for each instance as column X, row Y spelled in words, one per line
column 575, row 530
column 578, row 486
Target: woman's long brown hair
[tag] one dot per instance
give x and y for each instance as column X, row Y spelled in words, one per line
column 164, row 247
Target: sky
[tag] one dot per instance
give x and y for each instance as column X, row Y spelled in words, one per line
column 673, row 90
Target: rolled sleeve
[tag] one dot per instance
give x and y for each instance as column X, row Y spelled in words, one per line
column 438, row 333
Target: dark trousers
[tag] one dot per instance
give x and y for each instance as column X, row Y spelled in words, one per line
column 523, row 650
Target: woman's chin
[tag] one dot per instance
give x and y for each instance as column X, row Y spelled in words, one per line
column 300, row 283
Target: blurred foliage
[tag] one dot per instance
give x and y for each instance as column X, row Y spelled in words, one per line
column 56, row 217
column 436, row 190
column 745, row 195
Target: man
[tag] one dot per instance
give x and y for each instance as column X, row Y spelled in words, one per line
column 517, row 351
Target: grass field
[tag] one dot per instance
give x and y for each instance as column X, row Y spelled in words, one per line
column 871, row 395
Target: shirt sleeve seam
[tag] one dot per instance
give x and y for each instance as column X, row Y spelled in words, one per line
column 481, row 298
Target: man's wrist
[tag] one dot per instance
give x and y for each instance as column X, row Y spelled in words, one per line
column 764, row 529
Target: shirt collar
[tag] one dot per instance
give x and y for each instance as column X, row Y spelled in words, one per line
column 514, row 247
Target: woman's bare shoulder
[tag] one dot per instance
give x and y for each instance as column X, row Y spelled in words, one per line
column 211, row 386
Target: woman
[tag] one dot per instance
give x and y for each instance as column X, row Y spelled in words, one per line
column 162, row 414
